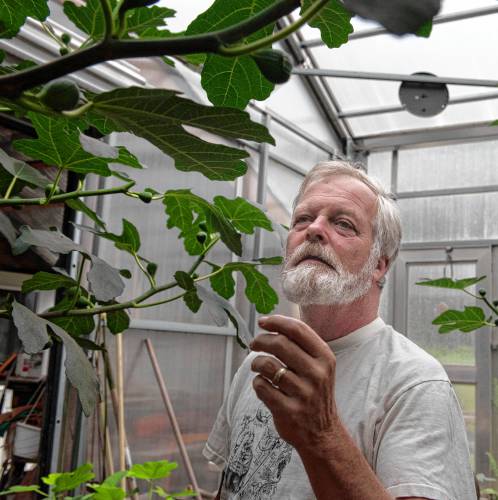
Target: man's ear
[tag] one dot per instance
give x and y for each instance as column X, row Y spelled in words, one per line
column 381, row 268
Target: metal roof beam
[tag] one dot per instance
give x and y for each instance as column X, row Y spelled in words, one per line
column 427, row 137
column 395, row 109
column 394, row 77
column 448, row 18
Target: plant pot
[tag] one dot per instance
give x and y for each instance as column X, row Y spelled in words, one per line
column 27, row 441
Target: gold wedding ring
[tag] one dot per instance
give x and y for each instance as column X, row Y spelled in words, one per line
column 278, row 376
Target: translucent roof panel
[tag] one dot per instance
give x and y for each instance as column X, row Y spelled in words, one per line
column 458, row 49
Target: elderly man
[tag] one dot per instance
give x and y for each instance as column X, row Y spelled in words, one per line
column 338, row 405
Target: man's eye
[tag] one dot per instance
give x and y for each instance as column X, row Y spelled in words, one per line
column 301, row 219
column 345, row 224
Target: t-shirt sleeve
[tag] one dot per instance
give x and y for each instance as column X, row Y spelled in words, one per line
column 421, row 446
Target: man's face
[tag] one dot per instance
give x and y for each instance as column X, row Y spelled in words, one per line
column 329, row 258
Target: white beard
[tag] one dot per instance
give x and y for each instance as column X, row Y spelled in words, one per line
column 317, row 283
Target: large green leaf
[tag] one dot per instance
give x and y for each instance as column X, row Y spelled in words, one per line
column 76, row 325
column 258, row 289
column 242, row 214
column 22, row 171
column 66, row 481
column 105, row 281
column 232, row 81
column 31, row 329
column 47, row 281
column 333, row 21
column 468, row 320
column 223, row 282
column 460, row 284
column 88, row 17
column 118, row 321
column 221, row 310
column 55, row 241
column 79, row 371
column 180, row 205
column 58, row 143
column 152, row 471
column 160, row 116
column 13, row 14
column 78, row 205
column 148, row 22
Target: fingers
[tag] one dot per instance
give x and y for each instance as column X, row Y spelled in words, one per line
column 268, row 367
column 297, row 331
column 285, row 350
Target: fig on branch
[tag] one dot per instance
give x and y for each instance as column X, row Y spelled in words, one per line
column 60, row 95
column 63, row 51
column 145, row 196
column 65, row 38
column 274, row 64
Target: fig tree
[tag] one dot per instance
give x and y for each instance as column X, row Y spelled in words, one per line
column 274, row 64
column 60, row 95
column 49, row 187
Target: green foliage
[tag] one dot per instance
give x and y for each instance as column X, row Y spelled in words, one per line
column 232, row 81
column 333, row 21
column 468, row 320
column 451, row 283
column 136, row 28
column 32, row 331
column 140, row 110
column 13, row 14
column 47, row 281
column 63, row 483
column 58, row 144
column 472, row 317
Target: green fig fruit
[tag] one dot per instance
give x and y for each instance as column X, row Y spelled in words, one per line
column 60, row 95
column 145, row 196
column 274, row 64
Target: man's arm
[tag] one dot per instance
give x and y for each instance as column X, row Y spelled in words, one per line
column 304, row 410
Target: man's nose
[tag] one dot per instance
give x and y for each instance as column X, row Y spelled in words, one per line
column 316, row 230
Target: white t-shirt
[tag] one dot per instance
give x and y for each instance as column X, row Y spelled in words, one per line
column 396, row 402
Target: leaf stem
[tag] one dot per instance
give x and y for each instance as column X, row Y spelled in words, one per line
column 75, row 113
column 201, row 257
column 55, row 185
column 159, row 302
column 67, row 196
column 108, row 19
column 152, row 281
column 240, row 50
column 10, row 188
column 13, row 84
column 78, row 281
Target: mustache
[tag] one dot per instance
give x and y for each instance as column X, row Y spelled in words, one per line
column 315, row 250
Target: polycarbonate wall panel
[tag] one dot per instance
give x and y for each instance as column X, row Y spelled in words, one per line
column 158, row 244
column 450, row 218
column 449, row 166
column 379, row 166
column 427, row 302
column 193, row 367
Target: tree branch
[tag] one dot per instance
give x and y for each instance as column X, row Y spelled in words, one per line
column 12, row 85
column 66, row 196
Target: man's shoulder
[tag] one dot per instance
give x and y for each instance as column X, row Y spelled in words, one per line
column 406, row 360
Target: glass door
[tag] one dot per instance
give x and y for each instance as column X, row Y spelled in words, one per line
column 465, row 356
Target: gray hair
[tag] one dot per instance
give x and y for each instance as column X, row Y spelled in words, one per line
column 387, row 222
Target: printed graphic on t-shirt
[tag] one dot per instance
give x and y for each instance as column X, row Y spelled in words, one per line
column 257, row 459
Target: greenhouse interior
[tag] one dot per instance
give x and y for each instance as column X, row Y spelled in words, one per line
column 121, row 336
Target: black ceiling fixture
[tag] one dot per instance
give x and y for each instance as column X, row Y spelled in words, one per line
column 424, row 98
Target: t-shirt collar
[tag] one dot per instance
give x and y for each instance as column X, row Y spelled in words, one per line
column 357, row 336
